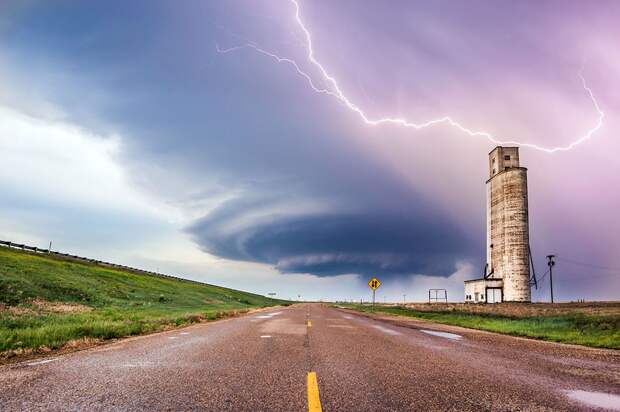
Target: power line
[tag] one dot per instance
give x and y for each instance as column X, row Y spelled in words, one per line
column 575, row 262
column 541, row 287
column 566, row 276
column 580, row 276
column 543, row 276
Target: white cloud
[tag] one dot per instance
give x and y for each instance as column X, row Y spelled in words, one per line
column 57, row 162
column 57, row 170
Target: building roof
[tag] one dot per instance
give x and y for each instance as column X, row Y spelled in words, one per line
column 504, row 147
column 476, row 280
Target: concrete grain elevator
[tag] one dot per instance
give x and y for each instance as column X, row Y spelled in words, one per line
column 507, row 271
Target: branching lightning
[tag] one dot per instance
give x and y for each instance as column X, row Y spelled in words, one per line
column 335, row 91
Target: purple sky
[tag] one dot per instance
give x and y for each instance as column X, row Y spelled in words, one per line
column 125, row 135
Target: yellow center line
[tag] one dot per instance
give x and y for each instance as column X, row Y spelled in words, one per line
column 314, row 401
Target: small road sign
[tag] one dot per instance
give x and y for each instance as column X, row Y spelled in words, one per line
column 374, row 284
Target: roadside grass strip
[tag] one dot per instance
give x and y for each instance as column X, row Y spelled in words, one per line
column 594, row 330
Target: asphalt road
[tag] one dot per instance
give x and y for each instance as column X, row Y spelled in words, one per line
column 264, row 362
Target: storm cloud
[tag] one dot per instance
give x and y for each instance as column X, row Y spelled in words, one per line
column 235, row 152
column 369, row 241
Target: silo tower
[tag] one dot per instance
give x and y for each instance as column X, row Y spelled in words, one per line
column 507, row 271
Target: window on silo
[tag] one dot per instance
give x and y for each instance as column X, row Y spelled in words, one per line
column 507, row 157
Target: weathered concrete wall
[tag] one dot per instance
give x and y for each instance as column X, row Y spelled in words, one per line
column 509, row 232
column 501, row 158
column 475, row 290
column 508, row 254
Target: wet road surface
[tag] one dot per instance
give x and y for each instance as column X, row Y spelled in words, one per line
column 311, row 356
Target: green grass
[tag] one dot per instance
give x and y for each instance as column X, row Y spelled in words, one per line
column 115, row 303
column 600, row 331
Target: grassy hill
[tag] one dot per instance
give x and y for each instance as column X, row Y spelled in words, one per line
column 49, row 303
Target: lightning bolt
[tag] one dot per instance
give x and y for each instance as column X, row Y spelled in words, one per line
column 335, row 91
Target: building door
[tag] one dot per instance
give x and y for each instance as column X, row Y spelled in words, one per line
column 494, row 295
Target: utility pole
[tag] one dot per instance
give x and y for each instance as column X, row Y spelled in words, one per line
column 404, row 299
column 551, row 264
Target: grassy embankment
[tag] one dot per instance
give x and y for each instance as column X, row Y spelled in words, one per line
column 576, row 325
column 49, row 303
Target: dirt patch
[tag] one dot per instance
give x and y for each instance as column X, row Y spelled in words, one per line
column 19, row 355
column 16, row 310
column 523, row 310
column 59, row 307
column 80, row 343
column 36, row 306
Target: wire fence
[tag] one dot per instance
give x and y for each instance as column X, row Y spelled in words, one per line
column 67, row 256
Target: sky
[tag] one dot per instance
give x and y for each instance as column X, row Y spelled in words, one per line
column 168, row 136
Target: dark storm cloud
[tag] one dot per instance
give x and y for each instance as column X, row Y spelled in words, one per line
column 197, row 127
column 373, row 241
column 195, row 123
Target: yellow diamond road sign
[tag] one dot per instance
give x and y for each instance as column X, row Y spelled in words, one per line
column 374, row 283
